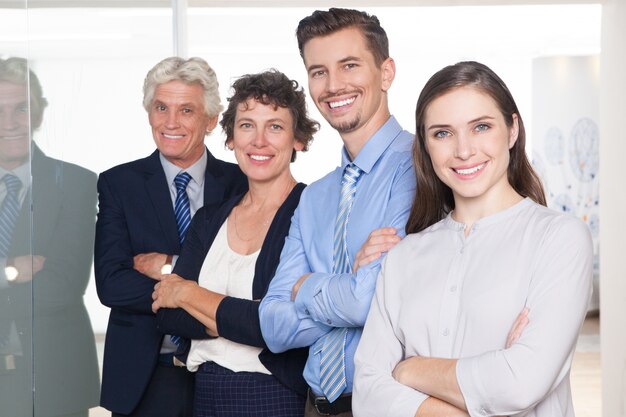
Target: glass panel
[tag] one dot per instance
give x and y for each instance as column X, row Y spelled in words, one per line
column 16, row 113
column 86, row 117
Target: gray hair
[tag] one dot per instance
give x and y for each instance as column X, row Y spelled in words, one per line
column 15, row 70
column 191, row 71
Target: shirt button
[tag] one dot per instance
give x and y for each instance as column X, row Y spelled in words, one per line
column 446, row 332
column 306, row 311
column 328, row 321
column 453, row 288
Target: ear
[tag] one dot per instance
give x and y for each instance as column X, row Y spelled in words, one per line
column 229, row 144
column 211, row 123
column 298, row 146
column 513, row 131
column 388, row 70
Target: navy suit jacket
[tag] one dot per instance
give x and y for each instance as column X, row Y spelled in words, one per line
column 238, row 319
column 136, row 216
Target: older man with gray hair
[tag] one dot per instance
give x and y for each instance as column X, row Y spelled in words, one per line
column 145, row 207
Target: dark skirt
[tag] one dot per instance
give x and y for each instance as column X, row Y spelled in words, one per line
column 221, row 392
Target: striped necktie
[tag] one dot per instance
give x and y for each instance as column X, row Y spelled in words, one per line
column 332, row 360
column 8, row 212
column 182, row 210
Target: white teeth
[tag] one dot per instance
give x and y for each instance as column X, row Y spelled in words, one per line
column 172, row 136
column 470, row 171
column 335, row 104
column 260, row 157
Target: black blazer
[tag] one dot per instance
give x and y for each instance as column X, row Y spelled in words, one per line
column 238, row 319
column 136, row 216
column 50, row 309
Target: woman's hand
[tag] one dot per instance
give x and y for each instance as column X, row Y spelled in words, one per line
column 435, row 377
column 170, row 291
column 518, row 327
column 379, row 241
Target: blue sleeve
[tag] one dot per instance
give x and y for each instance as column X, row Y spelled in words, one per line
column 282, row 326
column 343, row 300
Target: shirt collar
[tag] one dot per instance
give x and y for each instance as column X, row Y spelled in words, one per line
column 374, row 147
column 22, row 172
column 196, row 170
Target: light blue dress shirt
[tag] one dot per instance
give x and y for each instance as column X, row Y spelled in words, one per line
column 325, row 300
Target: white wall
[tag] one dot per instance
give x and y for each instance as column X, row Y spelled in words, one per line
column 613, row 209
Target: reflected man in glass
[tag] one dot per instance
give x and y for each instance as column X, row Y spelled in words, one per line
column 47, row 216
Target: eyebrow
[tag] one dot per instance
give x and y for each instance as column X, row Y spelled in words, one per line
column 350, row 58
column 187, row 104
column 249, row 119
column 341, row 61
column 478, row 119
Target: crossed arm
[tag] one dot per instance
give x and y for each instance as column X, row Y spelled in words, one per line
column 536, row 355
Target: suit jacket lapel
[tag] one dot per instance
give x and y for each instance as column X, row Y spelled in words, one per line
column 159, row 193
column 46, row 187
column 214, row 189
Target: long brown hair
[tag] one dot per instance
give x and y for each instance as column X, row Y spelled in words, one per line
column 433, row 199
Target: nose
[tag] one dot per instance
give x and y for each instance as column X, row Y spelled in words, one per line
column 464, row 147
column 171, row 121
column 9, row 121
column 260, row 139
column 334, row 82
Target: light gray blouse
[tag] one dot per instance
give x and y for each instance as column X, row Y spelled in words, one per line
column 441, row 294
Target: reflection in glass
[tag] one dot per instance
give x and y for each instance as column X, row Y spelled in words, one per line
column 48, row 226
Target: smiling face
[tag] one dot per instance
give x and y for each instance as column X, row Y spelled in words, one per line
column 263, row 141
column 179, row 122
column 14, row 125
column 347, row 86
column 468, row 142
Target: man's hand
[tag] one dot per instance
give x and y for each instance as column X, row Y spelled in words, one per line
column 379, row 241
column 27, row 266
column 150, row 264
column 169, row 291
column 297, row 285
column 518, row 326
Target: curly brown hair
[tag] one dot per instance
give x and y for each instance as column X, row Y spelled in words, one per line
column 271, row 87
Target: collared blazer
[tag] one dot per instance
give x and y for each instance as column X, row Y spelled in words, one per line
column 238, row 319
column 136, row 216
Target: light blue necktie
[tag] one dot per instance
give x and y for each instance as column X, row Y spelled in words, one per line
column 332, row 360
column 9, row 211
column 182, row 210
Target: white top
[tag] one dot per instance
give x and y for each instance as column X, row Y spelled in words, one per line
column 444, row 295
column 227, row 272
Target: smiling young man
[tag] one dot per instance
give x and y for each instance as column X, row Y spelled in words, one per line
column 142, row 219
column 322, row 290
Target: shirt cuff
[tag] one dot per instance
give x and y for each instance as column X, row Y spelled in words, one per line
column 305, row 300
column 472, row 389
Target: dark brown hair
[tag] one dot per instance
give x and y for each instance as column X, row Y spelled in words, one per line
column 271, row 87
column 324, row 23
column 433, row 199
